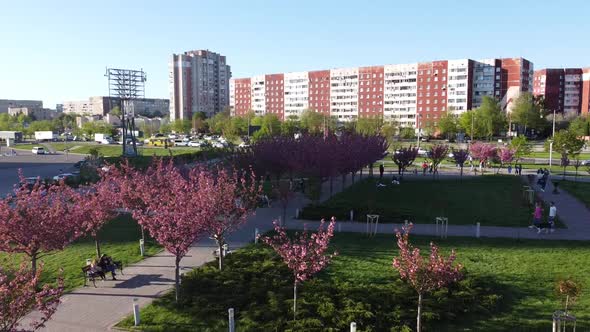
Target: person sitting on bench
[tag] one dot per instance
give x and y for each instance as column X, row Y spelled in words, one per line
column 107, row 265
column 96, row 270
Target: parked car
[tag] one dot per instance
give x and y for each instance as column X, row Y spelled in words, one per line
column 422, row 152
column 586, row 163
column 38, row 150
column 195, row 144
column 217, row 145
column 179, row 142
column 63, row 176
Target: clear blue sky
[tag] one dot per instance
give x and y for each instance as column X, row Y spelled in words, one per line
column 58, row 50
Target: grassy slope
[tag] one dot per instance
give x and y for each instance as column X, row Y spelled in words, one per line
column 491, row 200
column 524, row 273
column 119, row 239
column 580, row 190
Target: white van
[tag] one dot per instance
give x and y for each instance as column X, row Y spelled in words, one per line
column 38, row 150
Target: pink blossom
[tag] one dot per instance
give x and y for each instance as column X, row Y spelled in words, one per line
column 19, row 296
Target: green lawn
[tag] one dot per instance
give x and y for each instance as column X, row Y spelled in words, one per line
column 509, row 286
column 580, row 190
column 119, row 239
column 492, row 200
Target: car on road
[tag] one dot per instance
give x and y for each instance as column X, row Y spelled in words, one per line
column 218, row 145
column 38, row 150
column 195, row 144
column 586, row 163
column 422, row 152
column 179, row 142
column 63, row 176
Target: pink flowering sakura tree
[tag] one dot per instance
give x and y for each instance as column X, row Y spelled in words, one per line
column 460, row 157
column 39, row 220
column 176, row 220
column 404, row 158
column 19, row 296
column 303, row 254
column 437, row 154
column 99, row 208
column 424, row 275
column 228, row 198
column 506, row 155
column 482, row 152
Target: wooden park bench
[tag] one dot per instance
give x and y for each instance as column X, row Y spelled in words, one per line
column 90, row 276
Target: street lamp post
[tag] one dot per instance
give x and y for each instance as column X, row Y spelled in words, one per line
column 551, row 143
column 418, row 117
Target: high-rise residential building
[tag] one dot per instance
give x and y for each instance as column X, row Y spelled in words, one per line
column 6, row 103
column 410, row 94
column 515, row 76
column 101, row 105
column 586, row 91
column 563, row 89
column 199, row 82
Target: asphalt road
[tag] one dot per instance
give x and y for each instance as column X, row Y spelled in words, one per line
column 33, row 165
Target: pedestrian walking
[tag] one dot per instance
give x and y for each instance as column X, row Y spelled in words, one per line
column 509, row 169
column 552, row 216
column 424, row 167
column 537, row 216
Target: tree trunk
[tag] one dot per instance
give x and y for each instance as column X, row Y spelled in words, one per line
column 220, row 247
column 419, row 318
column 34, row 263
column 461, row 176
column 97, row 246
column 353, row 175
column 371, row 170
column 361, row 175
column 177, row 278
column 343, row 181
column 142, row 234
column 295, row 300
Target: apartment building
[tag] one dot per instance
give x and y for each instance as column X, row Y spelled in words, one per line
column 400, row 91
column 34, row 112
column 199, row 82
column 101, row 106
column 585, row 91
column 296, row 94
column 409, row 94
column 565, row 90
column 7, row 103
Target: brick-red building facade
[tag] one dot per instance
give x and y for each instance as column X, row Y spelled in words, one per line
column 432, row 92
column 370, row 102
column 319, row 91
column 275, row 94
column 242, row 96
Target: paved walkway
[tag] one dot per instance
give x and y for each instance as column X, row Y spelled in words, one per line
column 98, row 309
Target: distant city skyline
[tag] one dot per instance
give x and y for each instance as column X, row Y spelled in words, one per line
column 58, row 51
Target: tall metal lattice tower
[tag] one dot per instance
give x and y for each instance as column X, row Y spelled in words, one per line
column 127, row 85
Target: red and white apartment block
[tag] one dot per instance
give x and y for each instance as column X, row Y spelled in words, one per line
column 409, row 94
column 565, row 90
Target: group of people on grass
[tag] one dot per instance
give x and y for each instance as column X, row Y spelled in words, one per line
column 103, row 265
column 538, row 223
